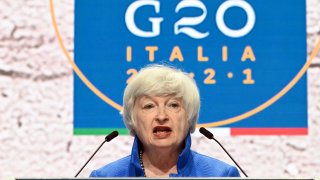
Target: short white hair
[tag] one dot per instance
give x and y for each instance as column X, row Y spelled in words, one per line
column 162, row 80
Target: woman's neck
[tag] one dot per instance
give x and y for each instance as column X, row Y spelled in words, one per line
column 160, row 162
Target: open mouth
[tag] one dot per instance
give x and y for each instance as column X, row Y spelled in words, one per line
column 162, row 131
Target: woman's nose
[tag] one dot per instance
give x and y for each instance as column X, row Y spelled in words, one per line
column 162, row 114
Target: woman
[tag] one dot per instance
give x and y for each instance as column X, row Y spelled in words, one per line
column 161, row 109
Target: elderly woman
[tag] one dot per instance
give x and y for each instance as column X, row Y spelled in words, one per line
column 161, row 109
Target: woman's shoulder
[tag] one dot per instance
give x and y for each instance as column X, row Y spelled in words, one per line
column 117, row 168
column 204, row 158
column 210, row 165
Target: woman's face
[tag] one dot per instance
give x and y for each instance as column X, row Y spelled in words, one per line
column 160, row 121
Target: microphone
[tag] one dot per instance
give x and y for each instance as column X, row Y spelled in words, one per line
column 209, row 135
column 108, row 138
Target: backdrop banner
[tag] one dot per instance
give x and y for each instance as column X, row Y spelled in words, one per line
column 242, row 55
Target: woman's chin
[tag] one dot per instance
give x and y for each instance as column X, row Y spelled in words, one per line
column 163, row 142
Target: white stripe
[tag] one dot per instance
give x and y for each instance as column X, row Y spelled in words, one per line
column 215, row 131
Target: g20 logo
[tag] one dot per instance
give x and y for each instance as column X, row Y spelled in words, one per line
column 187, row 25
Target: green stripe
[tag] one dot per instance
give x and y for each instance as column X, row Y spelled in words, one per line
column 99, row 131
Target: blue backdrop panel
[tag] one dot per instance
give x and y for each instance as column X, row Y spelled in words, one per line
column 235, row 72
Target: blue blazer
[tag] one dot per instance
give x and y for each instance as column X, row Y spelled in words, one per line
column 190, row 164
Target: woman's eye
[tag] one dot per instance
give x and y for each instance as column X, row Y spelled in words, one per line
column 148, row 106
column 174, row 105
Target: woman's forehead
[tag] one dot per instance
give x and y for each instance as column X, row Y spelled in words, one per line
column 159, row 97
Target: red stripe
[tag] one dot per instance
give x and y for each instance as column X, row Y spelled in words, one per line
column 269, row 131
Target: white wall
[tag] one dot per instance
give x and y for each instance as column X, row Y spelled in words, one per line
column 36, row 106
